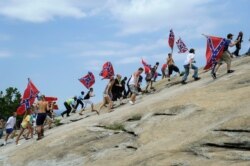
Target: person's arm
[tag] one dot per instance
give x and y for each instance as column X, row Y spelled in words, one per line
column 234, row 43
column 191, row 60
column 8, row 121
column 91, row 94
column 136, row 76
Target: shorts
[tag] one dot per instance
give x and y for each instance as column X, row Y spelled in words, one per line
column 87, row 102
column 40, row 118
column 226, row 57
column 9, row 131
column 134, row 89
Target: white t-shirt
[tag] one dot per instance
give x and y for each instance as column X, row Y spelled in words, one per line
column 11, row 122
column 189, row 57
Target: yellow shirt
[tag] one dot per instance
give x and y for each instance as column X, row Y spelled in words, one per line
column 25, row 121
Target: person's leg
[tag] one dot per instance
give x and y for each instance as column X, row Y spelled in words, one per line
column 186, row 67
column 176, row 69
column 8, row 132
column 66, row 106
column 39, row 131
column 68, row 109
column 170, row 70
column 77, row 103
column 18, row 137
column 110, row 104
column 195, row 71
column 133, row 97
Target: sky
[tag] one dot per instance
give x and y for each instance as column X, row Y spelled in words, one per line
column 56, row 42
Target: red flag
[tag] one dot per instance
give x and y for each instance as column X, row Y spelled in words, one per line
column 215, row 47
column 107, row 71
column 181, row 46
column 88, row 80
column 171, row 39
column 52, row 99
column 146, row 66
column 28, row 98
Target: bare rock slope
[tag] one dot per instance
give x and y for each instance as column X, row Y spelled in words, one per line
column 206, row 122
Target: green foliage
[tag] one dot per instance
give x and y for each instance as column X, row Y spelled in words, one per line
column 9, row 102
column 115, row 126
column 57, row 122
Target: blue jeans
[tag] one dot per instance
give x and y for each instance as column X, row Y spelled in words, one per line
column 186, row 67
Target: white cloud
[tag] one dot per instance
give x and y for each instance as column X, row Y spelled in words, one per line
column 44, row 10
column 4, row 54
column 137, row 16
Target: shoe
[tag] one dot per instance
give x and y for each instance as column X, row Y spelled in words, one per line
column 62, row 115
column 4, row 143
column 131, row 102
column 230, row 71
column 169, row 79
column 183, row 82
column 80, row 114
column 197, row 78
column 213, row 75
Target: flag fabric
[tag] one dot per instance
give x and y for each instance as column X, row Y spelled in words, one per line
column 50, row 100
column 88, row 80
column 215, row 47
column 107, row 70
column 146, row 66
column 171, row 39
column 28, row 98
column 181, row 46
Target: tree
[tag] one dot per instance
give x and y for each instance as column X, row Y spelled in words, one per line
column 9, row 102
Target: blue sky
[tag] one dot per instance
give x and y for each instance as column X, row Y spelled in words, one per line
column 55, row 42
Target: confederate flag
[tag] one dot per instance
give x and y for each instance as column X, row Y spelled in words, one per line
column 88, row 80
column 28, row 98
column 215, row 47
column 181, row 46
column 171, row 39
column 51, row 100
column 107, row 71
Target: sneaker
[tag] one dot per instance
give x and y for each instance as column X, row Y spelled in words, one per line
column 213, row 75
column 62, row 115
column 197, row 78
column 4, row 143
column 230, row 71
column 131, row 102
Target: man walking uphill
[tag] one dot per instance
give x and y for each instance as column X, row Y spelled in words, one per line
column 226, row 56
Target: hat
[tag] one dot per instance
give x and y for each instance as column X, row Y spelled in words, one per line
column 229, row 35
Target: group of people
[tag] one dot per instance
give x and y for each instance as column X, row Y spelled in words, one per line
column 116, row 90
column 34, row 117
column 72, row 104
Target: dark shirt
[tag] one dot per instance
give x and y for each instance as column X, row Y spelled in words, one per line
column 87, row 96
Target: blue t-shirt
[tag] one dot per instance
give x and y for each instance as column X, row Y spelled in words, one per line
column 228, row 41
